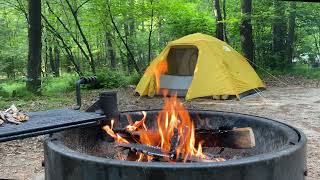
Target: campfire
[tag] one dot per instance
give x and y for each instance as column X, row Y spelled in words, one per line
column 174, row 138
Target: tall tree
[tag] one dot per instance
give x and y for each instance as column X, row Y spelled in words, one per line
column 56, row 61
column 51, row 59
column 150, row 31
column 247, row 45
column 132, row 59
column 34, row 55
column 127, row 33
column 70, row 56
column 110, row 51
column 74, row 12
column 279, row 33
column 224, row 10
column 219, row 24
column 74, row 38
column 291, row 32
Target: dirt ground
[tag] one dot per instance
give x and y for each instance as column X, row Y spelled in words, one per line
column 296, row 105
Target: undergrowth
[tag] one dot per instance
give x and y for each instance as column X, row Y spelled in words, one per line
column 55, row 86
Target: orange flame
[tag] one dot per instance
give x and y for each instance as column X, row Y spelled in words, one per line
column 173, row 124
column 157, row 70
column 173, row 117
column 117, row 137
column 134, row 126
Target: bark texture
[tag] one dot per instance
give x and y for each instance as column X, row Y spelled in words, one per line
column 34, row 55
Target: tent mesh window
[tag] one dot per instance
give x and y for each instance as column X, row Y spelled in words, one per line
column 182, row 60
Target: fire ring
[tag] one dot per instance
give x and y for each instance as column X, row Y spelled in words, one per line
column 279, row 153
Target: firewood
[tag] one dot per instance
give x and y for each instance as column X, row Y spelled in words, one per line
column 237, row 138
column 145, row 149
column 13, row 109
column 207, row 160
column 12, row 120
column 2, row 116
column 12, row 115
column 160, row 155
column 174, row 142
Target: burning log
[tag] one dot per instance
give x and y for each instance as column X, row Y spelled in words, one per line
column 174, row 144
column 158, row 154
column 145, row 149
column 174, row 137
column 237, row 138
column 12, row 115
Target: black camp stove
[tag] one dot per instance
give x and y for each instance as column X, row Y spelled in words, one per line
column 77, row 147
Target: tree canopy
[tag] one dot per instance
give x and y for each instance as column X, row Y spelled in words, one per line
column 88, row 36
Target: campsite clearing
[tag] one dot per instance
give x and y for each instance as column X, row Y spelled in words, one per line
column 297, row 106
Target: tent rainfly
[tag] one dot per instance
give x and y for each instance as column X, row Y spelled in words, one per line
column 199, row 65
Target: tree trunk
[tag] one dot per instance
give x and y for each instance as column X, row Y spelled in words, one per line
column 51, row 60
column 34, row 55
column 317, row 43
column 279, row 31
column 132, row 32
column 291, row 32
column 85, row 41
column 110, row 52
column 219, row 24
column 132, row 59
column 224, row 4
column 57, row 34
column 57, row 61
column 65, row 46
column 150, row 32
column 247, row 45
column 127, row 36
column 160, row 39
column 46, row 54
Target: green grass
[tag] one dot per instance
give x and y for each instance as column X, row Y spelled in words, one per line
column 14, row 89
column 54, row 88
column 56, row 85
column 297, row 70
column 305, row 70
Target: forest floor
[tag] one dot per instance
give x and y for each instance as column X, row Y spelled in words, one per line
column 297, row 104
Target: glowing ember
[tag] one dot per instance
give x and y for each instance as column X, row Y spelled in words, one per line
column 174, row 132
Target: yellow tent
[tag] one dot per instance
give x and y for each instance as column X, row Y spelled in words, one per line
column 215, row 67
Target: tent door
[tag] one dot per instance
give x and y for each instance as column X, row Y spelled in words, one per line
column 181, row 61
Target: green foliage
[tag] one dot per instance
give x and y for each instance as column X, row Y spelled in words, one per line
column 185, row 19
column 3, row 93
column 171, row 20
column 133, row 79
column 14, row 89
column 13, row 37
column 298, row 69
column 306, row 70
column 111, row 79
column 64, row 83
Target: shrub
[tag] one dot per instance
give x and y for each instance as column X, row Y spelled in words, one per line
column 14, row 89
column 134, row 79
column 64, row 83
column 3, row 92
column 110, row 79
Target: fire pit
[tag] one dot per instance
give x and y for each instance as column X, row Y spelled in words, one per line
column 277, row 153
